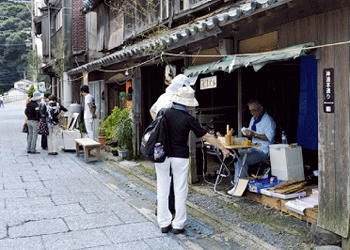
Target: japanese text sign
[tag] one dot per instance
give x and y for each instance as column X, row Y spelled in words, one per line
column 328, row 90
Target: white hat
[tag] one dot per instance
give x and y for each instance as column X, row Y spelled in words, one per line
column 185, row 96
column 36, row 96
column 178, row 82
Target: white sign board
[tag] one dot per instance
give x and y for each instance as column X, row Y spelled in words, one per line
column 209, row 82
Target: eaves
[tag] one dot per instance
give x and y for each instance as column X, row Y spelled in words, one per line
column 184, row 33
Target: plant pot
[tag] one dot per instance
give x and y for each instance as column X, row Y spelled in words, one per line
column 115, row 152
column 122, row 152
column 107, row 148
column 102, row 140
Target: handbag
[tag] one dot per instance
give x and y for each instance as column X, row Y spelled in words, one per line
column 43, row 129
column 154, row 142
column 25, row 128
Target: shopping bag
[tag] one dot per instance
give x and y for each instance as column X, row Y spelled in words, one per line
column 25, row 128
column 43, row 129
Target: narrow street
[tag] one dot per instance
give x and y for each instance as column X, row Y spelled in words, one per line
column 53, row 202
column 60, row 202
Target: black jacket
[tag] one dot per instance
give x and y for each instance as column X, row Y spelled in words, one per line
column 30, row 111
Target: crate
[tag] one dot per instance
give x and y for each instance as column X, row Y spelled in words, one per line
column 255, row 186
column 286, row 162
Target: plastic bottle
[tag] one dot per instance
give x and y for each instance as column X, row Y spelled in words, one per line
column 284, row 138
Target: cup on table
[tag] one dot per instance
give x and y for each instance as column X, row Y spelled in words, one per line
column 247, row 142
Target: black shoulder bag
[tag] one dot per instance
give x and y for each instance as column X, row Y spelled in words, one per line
column 154, row 143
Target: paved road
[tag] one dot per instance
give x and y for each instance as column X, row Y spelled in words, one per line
column 59, row 202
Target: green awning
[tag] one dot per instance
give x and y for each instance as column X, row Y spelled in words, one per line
column 230, row 63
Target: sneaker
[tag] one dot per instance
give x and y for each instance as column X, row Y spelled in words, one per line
column 178, row 231
column 232, row 191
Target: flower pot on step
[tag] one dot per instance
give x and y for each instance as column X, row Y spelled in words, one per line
column 122, row 152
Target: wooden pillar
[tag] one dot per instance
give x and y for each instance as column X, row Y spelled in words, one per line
column 192, row 171
column 136, row 110
column 86, row 78
column 239, row 92
column 239, row 103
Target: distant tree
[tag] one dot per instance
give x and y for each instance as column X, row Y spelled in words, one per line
column 61, row 54
column 14, row 19
column 31, row 90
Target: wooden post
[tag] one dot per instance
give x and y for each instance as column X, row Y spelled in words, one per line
column 192, row 171
column 86, row 78
column 136, row 110
column 239, row 93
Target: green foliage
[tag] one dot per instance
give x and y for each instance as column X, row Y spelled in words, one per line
column 122, row 133
column 62, row 55
column 34, row 70
column 14, row 18
column 115, row 148
column 31, row 90
column 118, row 126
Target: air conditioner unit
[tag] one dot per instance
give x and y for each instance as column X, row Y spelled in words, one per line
column 226, row 46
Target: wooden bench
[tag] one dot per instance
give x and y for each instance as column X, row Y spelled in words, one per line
column 88, row 145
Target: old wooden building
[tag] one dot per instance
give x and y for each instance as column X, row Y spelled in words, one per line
column 294, row 54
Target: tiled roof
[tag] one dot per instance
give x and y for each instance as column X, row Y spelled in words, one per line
column 225, row 17
column 89, row 5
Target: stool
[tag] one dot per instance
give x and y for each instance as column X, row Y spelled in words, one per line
column 88, row 145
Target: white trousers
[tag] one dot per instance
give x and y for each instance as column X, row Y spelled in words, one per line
column 179, row 168
column 52, row 143
column 88, row 126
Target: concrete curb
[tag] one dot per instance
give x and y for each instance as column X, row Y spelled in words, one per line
column 233, row 232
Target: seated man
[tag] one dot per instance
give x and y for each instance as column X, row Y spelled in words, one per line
column 262, row 129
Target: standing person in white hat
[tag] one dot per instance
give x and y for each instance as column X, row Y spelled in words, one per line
column 179, row 125
column 164, row 101
column 32, row 111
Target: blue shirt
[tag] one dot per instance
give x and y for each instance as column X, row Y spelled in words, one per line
column 266, row 126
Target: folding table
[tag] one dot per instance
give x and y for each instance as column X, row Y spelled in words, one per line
column 224, row 171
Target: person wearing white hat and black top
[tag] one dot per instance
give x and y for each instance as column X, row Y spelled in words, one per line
column 32, row 112
column 179, row 125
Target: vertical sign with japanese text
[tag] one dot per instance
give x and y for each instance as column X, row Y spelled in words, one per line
column 328, row 90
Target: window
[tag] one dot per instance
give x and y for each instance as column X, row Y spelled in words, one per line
column 184, row 4
column 58, row 20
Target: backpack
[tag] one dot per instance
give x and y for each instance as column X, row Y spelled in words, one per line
column 51, row 113
column 154, row 143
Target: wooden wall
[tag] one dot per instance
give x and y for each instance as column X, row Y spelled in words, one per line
column 329, row 27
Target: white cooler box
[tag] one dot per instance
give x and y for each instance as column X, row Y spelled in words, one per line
column 287, row 162
column 68, row 138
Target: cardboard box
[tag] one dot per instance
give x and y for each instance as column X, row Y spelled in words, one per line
column 286, row 162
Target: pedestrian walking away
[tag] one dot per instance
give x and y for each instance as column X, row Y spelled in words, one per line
column 89, row 110
column 32, row 112
column 53, row 111
column 179, row 124
column 164, row 102
column 42, row 106
column 2, row 101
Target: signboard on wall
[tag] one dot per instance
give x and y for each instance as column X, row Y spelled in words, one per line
column 208, row 82
column 328, row 90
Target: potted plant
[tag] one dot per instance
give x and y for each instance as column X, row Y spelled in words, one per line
column 102, row 136
column 122, row 133
column 115, row 150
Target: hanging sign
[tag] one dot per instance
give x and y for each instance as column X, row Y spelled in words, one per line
column 208, row 82
column 328, row 90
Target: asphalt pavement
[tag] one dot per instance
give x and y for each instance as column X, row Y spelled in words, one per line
column 61, row 202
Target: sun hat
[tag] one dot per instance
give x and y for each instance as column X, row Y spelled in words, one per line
column 185, row 96
column 178, row 82
column 37, row 96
